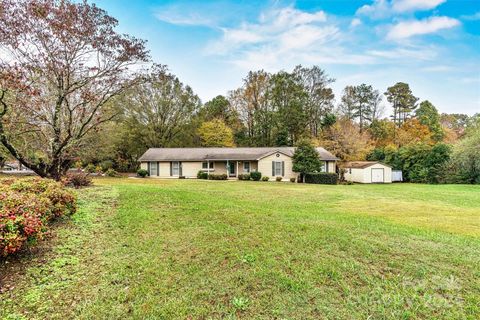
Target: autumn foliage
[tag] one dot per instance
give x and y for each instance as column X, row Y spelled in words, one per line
column 26, row 208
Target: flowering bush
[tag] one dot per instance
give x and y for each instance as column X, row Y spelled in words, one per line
column 26, row 206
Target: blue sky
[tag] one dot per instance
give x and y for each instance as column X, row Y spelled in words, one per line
column 434, row 45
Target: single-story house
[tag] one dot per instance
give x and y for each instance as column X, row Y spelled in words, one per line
column 272, row 162
column 367, row 172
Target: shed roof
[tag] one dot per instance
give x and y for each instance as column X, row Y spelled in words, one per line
column 361, row 164
column 202, row 154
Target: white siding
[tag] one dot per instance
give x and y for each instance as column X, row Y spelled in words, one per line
column 265, row 166
column 365, row 175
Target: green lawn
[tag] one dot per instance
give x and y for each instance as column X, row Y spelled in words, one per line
column 183, row 249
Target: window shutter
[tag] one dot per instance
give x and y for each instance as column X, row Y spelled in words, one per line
column 283, row 168
column 171, row 169
column 273, row 168
column 148, row 167
column 180, row 169
column 158, row 168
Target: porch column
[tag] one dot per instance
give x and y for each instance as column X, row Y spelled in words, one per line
column 228, row 169
column 208, row 168
column 237, row 170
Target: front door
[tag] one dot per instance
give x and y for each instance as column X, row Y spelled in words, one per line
column 377, row 175
column 232, row 169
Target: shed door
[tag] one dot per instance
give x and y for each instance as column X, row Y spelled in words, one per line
column 377, row 175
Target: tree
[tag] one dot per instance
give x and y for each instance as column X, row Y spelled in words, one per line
column 215, row 133
column 428, row 115
column 346, row 107
column 402, row 100
column 306, row 159
column 465, row 163
column 345, row 140
column 361, row 103
column 159, row 108
column 412, row 131
column 254, row 108
column 319, row 97
column 382, row 131
column 288, row 99
column 64, row 63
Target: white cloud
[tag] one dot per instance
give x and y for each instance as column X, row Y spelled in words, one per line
column 471, row 17
column 355, row 22
column 413, row 5
column 173, row 16
column 383, row 8
column 407, row 29
column 279, row 30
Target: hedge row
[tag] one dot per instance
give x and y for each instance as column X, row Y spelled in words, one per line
column 321, row 178
column 26, row 207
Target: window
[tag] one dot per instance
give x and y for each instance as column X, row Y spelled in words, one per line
column 246, row 166
column 278, row 168
column 175, row 168
column 153, row 169
column 323, row 168
column 205, row 165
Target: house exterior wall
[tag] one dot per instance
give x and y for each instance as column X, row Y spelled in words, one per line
column 387, row 173
column 265, row 166
column 365, row 175
column 357, row 175
column 191, row 168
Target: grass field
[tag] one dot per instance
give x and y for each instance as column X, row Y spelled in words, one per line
column 183, row 249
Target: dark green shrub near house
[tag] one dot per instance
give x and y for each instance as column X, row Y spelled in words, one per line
column 217, row 177
column 321, row 178
column 293, row 179
column 142, row 173
column 202, row 175
column 256, row 176
column 265, row 178
column 278, row 179
column 245, row 176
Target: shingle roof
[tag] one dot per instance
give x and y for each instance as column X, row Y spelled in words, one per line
column 201, row 154
column 361, row 164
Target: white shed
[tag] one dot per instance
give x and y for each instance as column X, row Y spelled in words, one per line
column 367, row 172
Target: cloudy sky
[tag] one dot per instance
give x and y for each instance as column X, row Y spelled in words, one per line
column 434, row 45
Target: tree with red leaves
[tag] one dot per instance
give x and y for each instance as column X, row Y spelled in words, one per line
column 61, row 63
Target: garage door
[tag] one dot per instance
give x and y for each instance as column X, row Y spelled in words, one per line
column 377, row 176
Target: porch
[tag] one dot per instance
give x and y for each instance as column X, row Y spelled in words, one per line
column 232, row 168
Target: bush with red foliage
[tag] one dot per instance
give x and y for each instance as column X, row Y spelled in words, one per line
column 26, row 207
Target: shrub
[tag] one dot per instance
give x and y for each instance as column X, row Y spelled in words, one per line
column 98, row 170
column 182, row 177
column 217, row 176
column 202, row 175
column 278, row 179
column 142, row 173
column 90, row 168
column 77, row 180
column 293, row 179
column 106, row 165
column 26, row 206
column 255, row 175
column 265, row 178
column 245, row 176
column 111, row 173
column 321, row 178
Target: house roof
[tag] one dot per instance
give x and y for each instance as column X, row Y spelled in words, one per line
column 202, row 154
column 361, row 164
